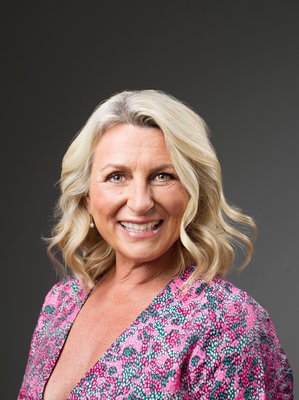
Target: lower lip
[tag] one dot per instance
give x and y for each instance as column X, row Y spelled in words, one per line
column 142, row 234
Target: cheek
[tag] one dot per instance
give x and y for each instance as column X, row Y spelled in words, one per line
column 175, row 201
column 178, row 208
column 104, row 200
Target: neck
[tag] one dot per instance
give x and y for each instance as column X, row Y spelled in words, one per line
column 128, row 275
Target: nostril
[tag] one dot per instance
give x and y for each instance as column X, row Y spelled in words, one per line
column 140, row 200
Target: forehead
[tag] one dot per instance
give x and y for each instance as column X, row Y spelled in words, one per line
column 127, row 141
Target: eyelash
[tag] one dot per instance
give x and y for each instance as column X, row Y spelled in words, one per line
column 121, row 174
column 113, row 175
column 169, row 176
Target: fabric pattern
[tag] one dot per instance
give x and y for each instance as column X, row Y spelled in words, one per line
column 212, row 342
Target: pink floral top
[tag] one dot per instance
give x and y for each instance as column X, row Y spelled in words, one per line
column 213, row 342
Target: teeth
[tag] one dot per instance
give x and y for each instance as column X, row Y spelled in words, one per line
column 139, row 227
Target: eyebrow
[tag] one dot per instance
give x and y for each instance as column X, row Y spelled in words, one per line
column 124, row 168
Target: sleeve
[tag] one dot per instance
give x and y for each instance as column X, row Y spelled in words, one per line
column 35, row 352
column 240, row 358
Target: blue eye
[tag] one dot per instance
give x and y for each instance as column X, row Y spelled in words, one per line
column 116, row 178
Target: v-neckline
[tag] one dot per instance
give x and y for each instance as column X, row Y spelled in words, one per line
column 167, row 287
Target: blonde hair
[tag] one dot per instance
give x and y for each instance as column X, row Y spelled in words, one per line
column 211, row 230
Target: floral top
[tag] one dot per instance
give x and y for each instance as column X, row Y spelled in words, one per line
column 212, row 342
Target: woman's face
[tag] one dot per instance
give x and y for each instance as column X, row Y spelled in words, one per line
column 135, row 196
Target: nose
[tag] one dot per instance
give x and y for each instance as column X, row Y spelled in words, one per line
column 140, row 199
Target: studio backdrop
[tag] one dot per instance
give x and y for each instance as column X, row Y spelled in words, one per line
column 236, row 63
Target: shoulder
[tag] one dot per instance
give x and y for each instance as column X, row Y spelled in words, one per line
column 227, row 302
column 63, row 296
column 64, row 289
column 236, row 338
column 229, row 316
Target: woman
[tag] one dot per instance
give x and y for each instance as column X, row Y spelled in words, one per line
column 146, row 234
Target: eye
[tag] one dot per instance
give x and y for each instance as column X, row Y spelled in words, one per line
column 116, row 177
column 164, row 177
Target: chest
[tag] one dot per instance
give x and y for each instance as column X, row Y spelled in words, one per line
column 94, row 330
column 118, row 355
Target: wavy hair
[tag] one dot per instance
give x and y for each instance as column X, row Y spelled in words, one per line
column 211, row 230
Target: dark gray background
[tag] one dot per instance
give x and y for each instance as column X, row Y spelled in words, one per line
column 235, row 62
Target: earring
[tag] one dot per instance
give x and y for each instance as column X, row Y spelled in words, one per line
column 91, row 222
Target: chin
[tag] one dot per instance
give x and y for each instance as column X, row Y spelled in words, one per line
column 142, row 256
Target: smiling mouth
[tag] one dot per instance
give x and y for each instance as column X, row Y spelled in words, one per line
column 133, row 227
